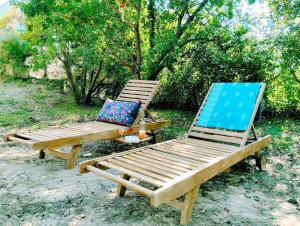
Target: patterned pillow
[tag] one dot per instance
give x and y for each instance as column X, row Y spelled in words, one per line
column 119, row 112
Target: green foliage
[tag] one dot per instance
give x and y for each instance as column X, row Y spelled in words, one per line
column 70, row 31
column 284, row 81
column 186, row 44
column 13, row 54
column 220, row 61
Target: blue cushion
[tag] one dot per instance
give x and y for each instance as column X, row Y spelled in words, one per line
column 229, row 106
column 119, row 112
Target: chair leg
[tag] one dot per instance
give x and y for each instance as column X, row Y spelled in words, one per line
column 121, row 189
column 227, row 170
column 156, row 137
column 73, row 156
column 42, row 154
column 188, row 205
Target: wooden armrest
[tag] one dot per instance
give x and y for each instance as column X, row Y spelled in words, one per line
column 137, row 188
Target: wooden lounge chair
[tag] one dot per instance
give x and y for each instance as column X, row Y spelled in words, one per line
column 50, row 139
column 178, row 167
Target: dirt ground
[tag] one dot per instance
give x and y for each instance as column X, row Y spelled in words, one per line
column 42, row 192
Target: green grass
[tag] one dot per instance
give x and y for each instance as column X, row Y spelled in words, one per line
column 70, row 109
column 180, row 122
column 19, row 118
column 8, row 102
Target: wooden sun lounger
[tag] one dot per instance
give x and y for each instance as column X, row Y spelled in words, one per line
column 178, row 167
column 50, row 139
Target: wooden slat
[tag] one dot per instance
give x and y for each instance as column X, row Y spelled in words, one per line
column 137, row 92
column 58, row 133
column 41, row 134
column 144, row 81
column 131, row 173
column 152, row 163
column 160, row 162
column 61, row 133
column 140, row 85
column 189, row 162
column 180, row 154
column 131, row 99
column 139, row 89
column 232, row 140
column 137, row 96
column 211, row 144
column 33, row 137
column 154, row 169
column 139, row 189
column 192, row 152
column 210, row 150
column 208, row 146
column 138, row 170
column 218, row 132
column 19, row 139
column 163, row 160
column 207, row 152
column 185, row 154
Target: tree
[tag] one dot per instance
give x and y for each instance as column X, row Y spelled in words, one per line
column 286, row 17
column 151, row 34
column 13, row 54
column 72, row 32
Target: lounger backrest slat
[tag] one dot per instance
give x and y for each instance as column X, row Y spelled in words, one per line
column 227, row 113
column 139, row 90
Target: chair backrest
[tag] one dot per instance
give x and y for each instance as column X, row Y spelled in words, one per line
column 227, row 112
column 139, row 90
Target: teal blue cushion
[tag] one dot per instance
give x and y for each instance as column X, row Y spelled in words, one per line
column 229, row 106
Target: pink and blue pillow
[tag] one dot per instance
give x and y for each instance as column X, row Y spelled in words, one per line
column 119, row 112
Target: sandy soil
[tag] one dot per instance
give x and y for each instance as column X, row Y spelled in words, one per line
column 42, row 192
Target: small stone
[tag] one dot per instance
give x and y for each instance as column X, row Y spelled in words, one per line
column 293, row 201
column 80, row 216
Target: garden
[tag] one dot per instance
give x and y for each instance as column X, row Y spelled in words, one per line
column 60, row 62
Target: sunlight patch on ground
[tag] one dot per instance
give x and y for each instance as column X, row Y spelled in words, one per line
column 286, row 214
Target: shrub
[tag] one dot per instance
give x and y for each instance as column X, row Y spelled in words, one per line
column 13, row 54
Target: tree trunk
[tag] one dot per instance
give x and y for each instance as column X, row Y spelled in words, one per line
column 88, row 99
column 138, row 61
column 68, row 69
column 151, row 16
column 138, row 52
column 45, row 75
column 157, row 65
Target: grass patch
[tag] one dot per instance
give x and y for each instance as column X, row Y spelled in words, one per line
column 16, row 119
column 180, row 122
column 11, row 102
column 71, row 109
column 285, row 135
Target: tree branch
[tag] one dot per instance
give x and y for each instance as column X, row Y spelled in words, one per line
column 119, row 60
column 119, row 13
column 154, row 70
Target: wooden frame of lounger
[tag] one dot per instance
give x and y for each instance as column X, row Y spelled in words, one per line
column 50, row 139
column 179, row 167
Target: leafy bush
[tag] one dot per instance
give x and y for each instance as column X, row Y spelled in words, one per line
column 13, row 54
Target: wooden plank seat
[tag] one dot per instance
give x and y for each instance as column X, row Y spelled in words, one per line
column 50, row 139
column 178, row 167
